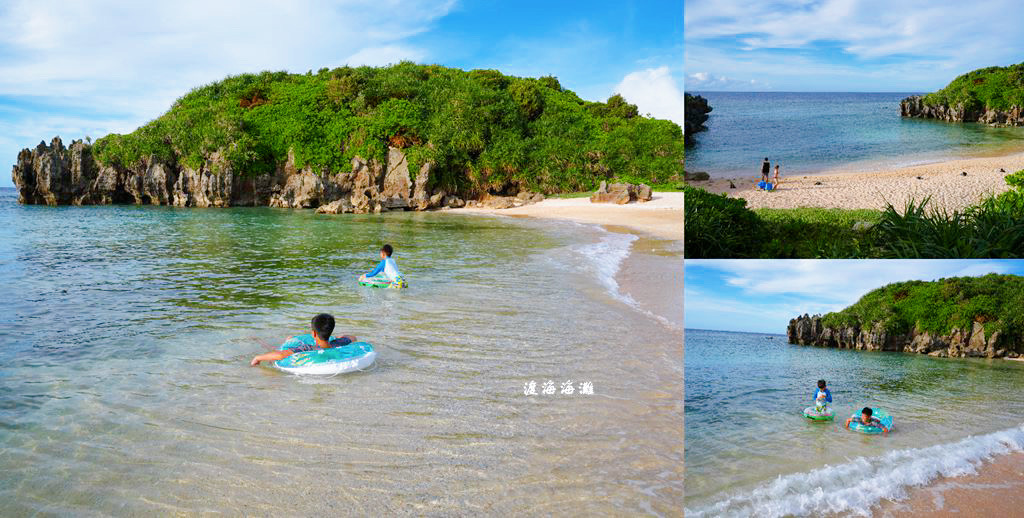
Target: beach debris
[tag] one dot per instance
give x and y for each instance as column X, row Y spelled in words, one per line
column 817, row 183
column 1001, row 170
column 621, row 193
column 964, row 173
column 919, row 178
column 732, row 185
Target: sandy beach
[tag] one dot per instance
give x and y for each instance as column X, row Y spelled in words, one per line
column 996, row 490
column 661, row 217
column 943, row 182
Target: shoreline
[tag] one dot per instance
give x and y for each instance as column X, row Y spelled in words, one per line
column 943, row 182
column 996, row 489
column 662, row 217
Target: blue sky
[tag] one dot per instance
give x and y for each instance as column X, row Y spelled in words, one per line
column 763, row 295
column 846, row 45
column 94, row 67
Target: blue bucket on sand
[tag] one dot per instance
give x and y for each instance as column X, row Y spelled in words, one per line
column 765, row 185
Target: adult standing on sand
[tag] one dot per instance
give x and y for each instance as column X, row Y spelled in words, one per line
column 765, row 167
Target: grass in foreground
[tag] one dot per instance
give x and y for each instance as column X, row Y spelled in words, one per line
column 721, row 227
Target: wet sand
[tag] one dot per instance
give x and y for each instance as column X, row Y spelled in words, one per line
column 996, row 490
column 661, row 217
column 943, row 182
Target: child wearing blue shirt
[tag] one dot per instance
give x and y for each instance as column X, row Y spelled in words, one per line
column 822, row 397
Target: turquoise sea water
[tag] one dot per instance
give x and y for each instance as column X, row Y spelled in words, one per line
column 750, row 452
column 815, row 132
column 127, row 332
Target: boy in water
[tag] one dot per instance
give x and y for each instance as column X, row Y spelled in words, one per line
column 867, row 420
column 386, row 269
column 320, row 338
column 822, row 397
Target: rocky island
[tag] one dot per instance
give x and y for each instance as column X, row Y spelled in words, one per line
column 696, row 114
column 404, row 137
column 956, row 317
column 993, row 95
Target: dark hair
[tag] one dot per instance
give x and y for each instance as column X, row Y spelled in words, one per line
column 387, row 250
column 821, row 384
column 323, row 326
column 765, row 159
column 866, row 411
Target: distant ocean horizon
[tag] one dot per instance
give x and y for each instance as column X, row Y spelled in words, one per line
column 817, row 132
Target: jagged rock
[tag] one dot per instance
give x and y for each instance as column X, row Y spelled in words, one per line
column 699, row 176
column 914, row 106
column 497, row 202
column 55, row 175
column 453, row 202
column 644, row 193
column 809, row 330
column 696, row 110
column 336, row 207
column 621, row 193
column 863, row 226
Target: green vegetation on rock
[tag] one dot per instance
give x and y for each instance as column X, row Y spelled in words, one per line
column 995, row 301
column 483, row 131
column 992, row 88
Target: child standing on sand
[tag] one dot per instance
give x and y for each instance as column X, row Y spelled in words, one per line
column 776, row 184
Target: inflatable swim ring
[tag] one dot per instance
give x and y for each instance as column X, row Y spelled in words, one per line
column 814, row 415
column 882, row 416
column 375, row 282
column 355, row 356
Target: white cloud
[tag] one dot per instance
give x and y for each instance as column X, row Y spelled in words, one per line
column 839, row 281
column 130, row 60
column 771, row 292
column 654, row 91
column 933, row 39
column 705, row 81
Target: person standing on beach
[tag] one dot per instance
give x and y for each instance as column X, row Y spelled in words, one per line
column 776, row 183
column 765, row 167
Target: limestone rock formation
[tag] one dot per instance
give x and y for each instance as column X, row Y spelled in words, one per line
column 915, row 106
column 52, row 174
column 958, row 343
column 621, row 193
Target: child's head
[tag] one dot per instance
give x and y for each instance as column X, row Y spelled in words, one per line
column 866, row 413
column 323, row 326
column 821, row 384
column 386, row 251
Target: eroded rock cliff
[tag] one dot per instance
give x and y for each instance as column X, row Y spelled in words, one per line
column 915, row 106
column 57, row 175
column 958, row 343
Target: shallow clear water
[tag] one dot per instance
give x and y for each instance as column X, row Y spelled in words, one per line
column 814, row 132
column 126, row 389
column 749, row 450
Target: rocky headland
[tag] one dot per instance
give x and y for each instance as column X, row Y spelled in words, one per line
column 696, row 114
column 992, row 95
column 915, row 106
column 956, row 317
column 52, row 174
column 958, row 343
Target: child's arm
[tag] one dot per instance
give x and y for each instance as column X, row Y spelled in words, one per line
column 378, row 269
column 828, row 395
column 272, row 356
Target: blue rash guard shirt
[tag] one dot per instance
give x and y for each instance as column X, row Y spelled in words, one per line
column 306, row 343
column 388, row 268
column 828, row 395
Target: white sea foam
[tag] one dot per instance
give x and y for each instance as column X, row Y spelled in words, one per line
column 854, row 487
column 604, row 258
